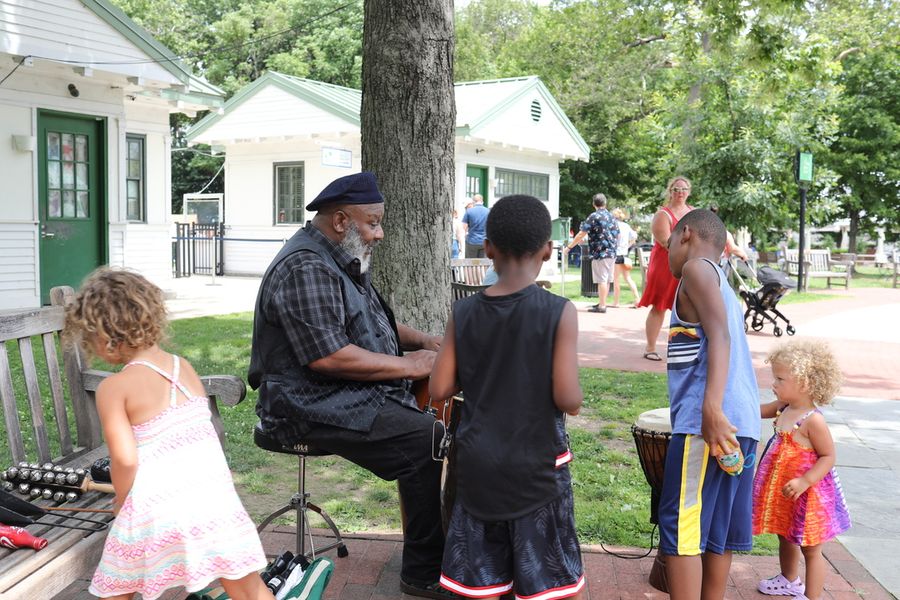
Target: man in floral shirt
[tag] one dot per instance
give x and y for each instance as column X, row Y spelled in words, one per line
column 602, row 231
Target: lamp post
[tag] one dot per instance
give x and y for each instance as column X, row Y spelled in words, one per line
column 803, row 172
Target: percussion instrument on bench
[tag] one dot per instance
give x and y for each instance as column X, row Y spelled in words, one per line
column 652, row 432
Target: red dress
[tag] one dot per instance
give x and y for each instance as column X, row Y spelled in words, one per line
column 660, row 287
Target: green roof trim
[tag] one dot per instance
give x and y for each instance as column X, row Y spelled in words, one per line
column 340, row 101
column 142, row 38
column 345, row 102
column 535, row 84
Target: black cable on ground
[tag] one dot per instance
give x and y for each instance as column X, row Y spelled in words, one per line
column 633, row 556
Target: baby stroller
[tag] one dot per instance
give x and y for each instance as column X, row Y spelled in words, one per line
column 762, row 302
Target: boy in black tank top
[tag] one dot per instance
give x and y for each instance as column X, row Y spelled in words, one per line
column 513, row 350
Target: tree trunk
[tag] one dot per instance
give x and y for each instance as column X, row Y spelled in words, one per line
column 408, row 124
column 854, row 230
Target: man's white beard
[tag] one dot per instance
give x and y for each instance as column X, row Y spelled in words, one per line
column 354, row 245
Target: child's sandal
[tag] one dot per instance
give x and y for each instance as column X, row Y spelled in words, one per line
column 780, row 586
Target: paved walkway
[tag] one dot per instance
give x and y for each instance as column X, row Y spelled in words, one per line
column 864, row 331
column 372, row 572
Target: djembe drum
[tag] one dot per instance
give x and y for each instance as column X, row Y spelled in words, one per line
column 652, row 432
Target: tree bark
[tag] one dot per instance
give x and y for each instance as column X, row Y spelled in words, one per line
column 408, row 123
column 853, row 231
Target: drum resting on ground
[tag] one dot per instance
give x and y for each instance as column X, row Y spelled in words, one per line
column 652, row 432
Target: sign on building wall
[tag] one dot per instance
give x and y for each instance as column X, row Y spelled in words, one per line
column 337, row 157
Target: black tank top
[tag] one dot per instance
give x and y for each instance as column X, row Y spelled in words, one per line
column 510, row 443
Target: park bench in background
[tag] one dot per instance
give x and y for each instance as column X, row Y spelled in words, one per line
column 644, row 261
column 467, row 276
column 819, row 265
column 49, row 416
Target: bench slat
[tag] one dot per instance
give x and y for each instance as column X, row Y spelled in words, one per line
column 10, row 408
column 86, row 419
column 26, row 324
column 76, row 561
column 56, row 391
column 33, row 390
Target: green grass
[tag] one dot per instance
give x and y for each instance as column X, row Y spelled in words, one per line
column 611, row 494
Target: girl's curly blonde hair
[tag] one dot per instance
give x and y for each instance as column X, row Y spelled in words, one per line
column 118, row 306
column 813, row 365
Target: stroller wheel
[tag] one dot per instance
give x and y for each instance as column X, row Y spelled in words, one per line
column 777, row 331
column 757, row 325
column 746, row 327
column 791, row 330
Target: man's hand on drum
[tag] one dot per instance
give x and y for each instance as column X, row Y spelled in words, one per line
column 420, row 363
column 718, row 433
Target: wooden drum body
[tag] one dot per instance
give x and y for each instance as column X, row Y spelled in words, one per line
column 652, row 433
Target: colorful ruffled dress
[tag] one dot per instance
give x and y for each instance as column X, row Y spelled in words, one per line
column 182, row 524
column 818, row 515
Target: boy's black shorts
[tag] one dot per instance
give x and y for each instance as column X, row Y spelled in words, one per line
column 537, row 555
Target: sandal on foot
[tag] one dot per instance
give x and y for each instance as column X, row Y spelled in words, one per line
column 654, row 356
column 597, row 309
column 780, row 586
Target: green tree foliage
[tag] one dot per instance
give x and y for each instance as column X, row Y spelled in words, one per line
column 233, row 42
column 724, row 92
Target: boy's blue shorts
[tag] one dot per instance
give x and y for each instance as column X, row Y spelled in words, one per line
column 703, row 508
column 536, row 555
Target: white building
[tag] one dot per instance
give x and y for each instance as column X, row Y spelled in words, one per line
column 285, row 138
column 85, row 98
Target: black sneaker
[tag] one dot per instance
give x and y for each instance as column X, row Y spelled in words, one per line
column 428, row 590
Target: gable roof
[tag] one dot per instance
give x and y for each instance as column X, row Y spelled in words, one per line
column 478, row 103
column 164, row 57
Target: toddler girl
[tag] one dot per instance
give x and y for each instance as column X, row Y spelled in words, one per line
column 179, row 520
column 796, row 493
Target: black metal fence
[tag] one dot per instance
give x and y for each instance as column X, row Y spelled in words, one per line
column 198, row 249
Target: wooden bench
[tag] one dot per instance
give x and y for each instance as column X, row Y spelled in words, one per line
column 643, row 257
column 819, row 264
column 49, row 415
column 895, row 262
column 467, row 276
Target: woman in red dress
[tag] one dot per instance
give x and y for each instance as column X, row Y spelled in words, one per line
column 659, row 289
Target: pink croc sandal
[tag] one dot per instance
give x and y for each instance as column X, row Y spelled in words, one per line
column 780, row 586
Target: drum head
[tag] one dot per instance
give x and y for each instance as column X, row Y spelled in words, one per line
column 655, row 420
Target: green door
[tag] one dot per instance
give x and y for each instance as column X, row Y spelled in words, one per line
column 476, row 182
column 70, row 199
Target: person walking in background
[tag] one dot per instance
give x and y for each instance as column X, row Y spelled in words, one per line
column 796, row 493
column 458, row 236
column 603, row 233
column 474, row 220
column 731, row 247
column 705, row 507
column 659, row 289
column 627, row 238
column 179, row 519
column 513, row 349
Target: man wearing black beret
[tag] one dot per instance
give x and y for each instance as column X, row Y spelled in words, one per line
column 328, row 360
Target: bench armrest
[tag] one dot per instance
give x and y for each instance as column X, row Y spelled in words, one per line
column 227, row 389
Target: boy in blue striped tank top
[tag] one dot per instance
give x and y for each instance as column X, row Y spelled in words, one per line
column 705, row 511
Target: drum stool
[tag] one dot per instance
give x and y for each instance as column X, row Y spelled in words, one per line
column 299, row 502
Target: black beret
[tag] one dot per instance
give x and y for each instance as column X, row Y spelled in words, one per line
column 359, row 188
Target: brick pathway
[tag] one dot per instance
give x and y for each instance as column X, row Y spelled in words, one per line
column 860, row 324
column 372, row 572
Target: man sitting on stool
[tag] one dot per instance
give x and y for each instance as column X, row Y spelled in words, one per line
column 327, row 360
